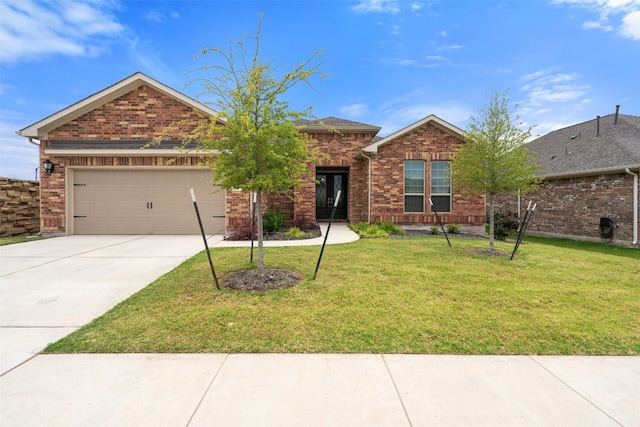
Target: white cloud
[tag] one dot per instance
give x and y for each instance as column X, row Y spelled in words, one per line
column 376, row 6
column 408, row 108
column 543, row 87
column 608, row 11
column 32, row 30
column 596, row 25
column 631, row 25
column 143, row 53
column 552, row 99
column 18, row 158
column 155, row 16
column 355, row 110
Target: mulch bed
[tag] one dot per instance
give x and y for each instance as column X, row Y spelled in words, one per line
column 268, row 280
column 310, row 233
column 427, row 233
column 487, row 252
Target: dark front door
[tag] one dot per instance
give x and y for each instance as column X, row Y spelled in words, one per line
column 327, row 187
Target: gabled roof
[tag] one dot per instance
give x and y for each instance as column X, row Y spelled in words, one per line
column 41, row 128
column 431, row 119
column 580, row 150
column 330, row 124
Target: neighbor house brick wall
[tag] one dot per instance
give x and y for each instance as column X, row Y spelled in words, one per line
column 19, row 207
column 573, row 207
column 143, row 114
column 428, row 143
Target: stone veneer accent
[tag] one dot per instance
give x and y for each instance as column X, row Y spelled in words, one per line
column 20, row 207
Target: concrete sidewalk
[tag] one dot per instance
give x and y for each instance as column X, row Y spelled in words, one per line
column 321, row 390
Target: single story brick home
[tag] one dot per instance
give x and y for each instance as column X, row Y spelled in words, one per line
column 98, row 179
column 590, row 171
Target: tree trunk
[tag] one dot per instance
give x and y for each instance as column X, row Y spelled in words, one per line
column 491, row 224
column 260, row 231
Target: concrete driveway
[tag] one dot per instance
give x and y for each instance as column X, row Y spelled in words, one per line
column 51, row 287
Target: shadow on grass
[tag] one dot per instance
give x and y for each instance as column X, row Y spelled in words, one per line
column 633, row 253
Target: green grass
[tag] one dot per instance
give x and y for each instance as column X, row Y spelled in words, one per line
column 19, row 239
column 412, row 295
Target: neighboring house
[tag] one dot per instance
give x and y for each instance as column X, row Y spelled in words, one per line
column 105, row 182
column 590, row 171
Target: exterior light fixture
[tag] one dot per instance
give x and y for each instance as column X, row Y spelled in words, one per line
column 48, row 166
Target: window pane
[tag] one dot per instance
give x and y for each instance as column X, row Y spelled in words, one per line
column 440, row 178
column 414, row 203
column 441, row 203
column 413, row 177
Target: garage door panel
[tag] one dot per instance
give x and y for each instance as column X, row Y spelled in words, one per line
column 145, row 202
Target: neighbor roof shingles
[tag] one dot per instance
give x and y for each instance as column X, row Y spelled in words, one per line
column 579, row 150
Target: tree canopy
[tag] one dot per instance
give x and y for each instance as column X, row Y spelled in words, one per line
column 494, row 159
column 253, row 143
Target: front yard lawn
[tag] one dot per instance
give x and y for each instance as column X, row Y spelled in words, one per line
column 411, row 295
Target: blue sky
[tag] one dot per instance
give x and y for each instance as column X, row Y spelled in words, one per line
column 390, row 63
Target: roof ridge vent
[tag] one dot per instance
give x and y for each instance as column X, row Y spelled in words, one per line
column 615, row 120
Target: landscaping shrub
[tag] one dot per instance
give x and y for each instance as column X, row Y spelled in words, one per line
column 435, row 230
column 295, row 233
column 366, row 230
column 303, row 222
column 504, row 223
column 453, row 229
column 390, row 228
column 243, row 233
column 273, row 220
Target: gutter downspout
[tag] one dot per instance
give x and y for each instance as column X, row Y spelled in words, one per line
column 37, row 144
column 635, row 206
column 368, row 186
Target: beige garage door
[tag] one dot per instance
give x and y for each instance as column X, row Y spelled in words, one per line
column 145, row 202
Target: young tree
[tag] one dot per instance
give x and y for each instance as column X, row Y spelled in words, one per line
column 494, row 159
column 258, row 148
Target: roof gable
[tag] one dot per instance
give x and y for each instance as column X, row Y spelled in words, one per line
column 431, row 119
column 581, row 150
column 41, row 128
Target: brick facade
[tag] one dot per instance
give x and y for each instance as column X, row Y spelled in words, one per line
column 573, row 207
column 428, row 143
column 141, row 114
column 144, row 112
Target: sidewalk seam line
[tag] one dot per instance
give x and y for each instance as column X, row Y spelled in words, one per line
column 539, row 363
column 197, row 408
column 395, row 386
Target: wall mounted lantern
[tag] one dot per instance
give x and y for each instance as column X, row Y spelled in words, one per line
column 48, row 166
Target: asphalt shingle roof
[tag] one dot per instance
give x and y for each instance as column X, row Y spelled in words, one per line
column 336, row 123
column 126, row 144
column 580, row 150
